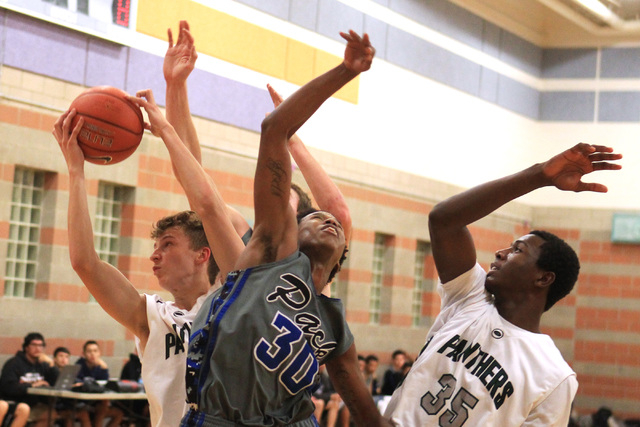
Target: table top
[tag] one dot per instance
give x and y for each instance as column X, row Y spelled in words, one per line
column 108, row 395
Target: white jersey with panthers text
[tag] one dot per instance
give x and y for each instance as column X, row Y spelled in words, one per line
column 477, row 369
column 164, row 359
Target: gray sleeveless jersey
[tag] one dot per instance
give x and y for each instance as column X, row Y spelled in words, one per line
column 256, row 344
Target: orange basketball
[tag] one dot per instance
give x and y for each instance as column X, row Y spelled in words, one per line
column 113, row 125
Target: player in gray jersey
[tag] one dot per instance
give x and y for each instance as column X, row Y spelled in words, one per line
column 259, row 339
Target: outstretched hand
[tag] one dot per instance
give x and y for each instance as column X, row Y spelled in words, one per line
column 68, row 138
column 180, row 59
column 566, row 169
column 359, row 53
column 157, row 121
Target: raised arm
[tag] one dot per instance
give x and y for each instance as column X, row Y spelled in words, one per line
column 453, row 248
column 179, row 62
column 115, row 294
column 325, row 192
column 275, row 234
column 204, row 198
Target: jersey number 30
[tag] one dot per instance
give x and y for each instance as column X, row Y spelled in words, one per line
column 457, row 413
column 303, row 367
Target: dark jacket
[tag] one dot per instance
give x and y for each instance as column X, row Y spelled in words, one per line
column 19, row 367
column 97, row 373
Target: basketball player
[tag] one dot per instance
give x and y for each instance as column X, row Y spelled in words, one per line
column 183, row 265
column 258, row 341
column 485, row 362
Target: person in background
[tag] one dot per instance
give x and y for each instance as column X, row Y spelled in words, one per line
column 26, row 369
column 61, row 357
column 393, row 376
column 93, row 368
column 370, row 378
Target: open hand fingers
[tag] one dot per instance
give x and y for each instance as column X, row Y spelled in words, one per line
column 170, row 37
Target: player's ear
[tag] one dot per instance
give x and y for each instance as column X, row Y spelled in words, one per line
column 204, row 254
column 545, row 279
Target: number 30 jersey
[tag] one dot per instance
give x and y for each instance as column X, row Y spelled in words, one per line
column 477, row 369
column 256, row 345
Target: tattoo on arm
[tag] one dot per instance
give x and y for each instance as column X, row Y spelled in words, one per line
column 277, row 177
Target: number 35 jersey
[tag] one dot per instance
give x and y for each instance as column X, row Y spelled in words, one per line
column 256, row 345
column 477, row 369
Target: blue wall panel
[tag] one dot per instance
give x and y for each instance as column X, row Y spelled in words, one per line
column 304, row 13
column 518, row 97
column 619, row 107
column 520, row 53
column 444, row 17
column 569, row 63
column 106, row 64
column 144, row 71
column 567, row 106
column 228, row 101
column 334, row 17
column 377, row 31
column 433, row 62
column 489, row 85
column 491, row 36
column 44, row 48
column 275, row 8
column 620, row 63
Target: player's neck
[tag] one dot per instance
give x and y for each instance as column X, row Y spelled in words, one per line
column 185, row 299
column 524, row 317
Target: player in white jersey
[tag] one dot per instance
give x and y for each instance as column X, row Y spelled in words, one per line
column 485, row 362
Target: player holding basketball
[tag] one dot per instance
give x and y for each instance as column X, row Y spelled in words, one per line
column 183, row 265
column 257, row 342
column 485, row 362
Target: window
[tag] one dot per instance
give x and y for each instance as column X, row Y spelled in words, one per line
column 419, row 282
column 107, row 222
column 24, row 233
column 377, row 275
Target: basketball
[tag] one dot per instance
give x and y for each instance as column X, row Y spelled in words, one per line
column 113, row 126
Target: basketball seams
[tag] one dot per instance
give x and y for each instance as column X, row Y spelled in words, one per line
column 126, row 102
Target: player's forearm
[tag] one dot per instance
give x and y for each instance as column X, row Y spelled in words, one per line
column 81, row 247
column 179, row 115
column 476, row 203
column 297, row 109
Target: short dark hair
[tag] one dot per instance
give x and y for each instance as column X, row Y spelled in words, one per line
column 398, row 352
column 343, row 257
column 191, row 224
column 304, row 201
column 32, row 336
column 60, row 350
column 88, row 343
column 371, row 357
column 559, row 258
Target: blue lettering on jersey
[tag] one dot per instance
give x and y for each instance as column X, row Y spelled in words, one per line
column 481, row 364
column 297, row 372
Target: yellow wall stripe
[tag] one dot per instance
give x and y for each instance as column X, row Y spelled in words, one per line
column 239, row 42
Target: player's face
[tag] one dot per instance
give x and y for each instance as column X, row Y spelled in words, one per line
column 173, row 258
column 515, row 267
column 92, row 353
column 61, row 359
column 35, row 349
column 322, row 229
